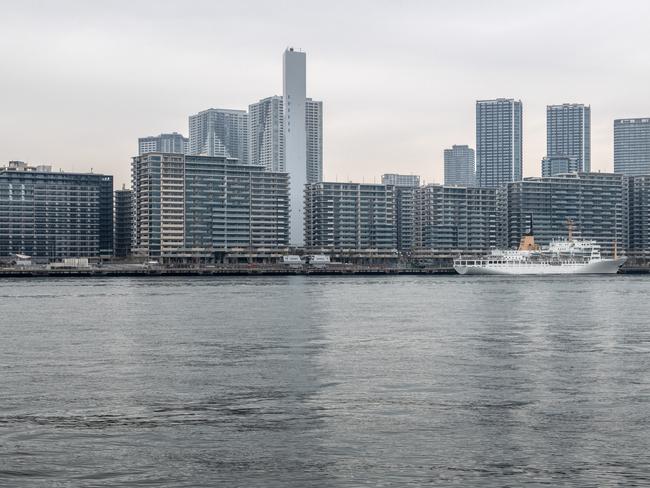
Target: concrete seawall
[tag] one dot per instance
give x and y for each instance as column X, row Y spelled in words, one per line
column 215, row 271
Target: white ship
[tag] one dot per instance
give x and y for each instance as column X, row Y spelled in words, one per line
column 562, row 256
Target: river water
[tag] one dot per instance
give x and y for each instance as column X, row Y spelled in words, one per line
column 325, row 381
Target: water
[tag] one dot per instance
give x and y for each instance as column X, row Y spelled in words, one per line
column 325, row 381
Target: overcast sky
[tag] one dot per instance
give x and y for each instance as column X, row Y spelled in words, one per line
column 82, row 80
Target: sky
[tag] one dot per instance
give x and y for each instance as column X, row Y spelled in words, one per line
column 80, row 81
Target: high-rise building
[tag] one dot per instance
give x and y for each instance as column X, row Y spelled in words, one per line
column 220, row 132
column 294, row 83
column 266, row 136
column 266, row 133
column 405, row 220
column 400, row 180
column 405, row 189
column 123, row 222
column 460, row 167
column 314, row 132
column 186, row 204
column 46, row 214
column 453, row 218
column 595, row 203
column 639, row 210
column 557, row 165
column 350, row 216
column 568, row 133
column 229, row 205
column 632, row 146
column 168, row 143
column 498, row 142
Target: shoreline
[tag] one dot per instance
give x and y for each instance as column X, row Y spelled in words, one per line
column 101, row 272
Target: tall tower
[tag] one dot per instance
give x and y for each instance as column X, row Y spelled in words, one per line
column 459, row 166
column 219, row 132
column 294, row 90
column 568, row 133
column 266, row 134
column 632, row 146
column 498, row 142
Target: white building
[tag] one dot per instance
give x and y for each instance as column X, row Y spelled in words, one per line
column 266, row 133
column 314, row 128
column 266, row 143
column 294, row 87
column 220, row 132
column 400, row 180
column 167, row 143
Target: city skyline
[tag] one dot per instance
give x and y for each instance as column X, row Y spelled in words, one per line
column 428, row 89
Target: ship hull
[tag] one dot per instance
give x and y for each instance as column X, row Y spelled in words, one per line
column 604, row 266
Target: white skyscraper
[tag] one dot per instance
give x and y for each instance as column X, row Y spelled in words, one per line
column 266, row 136
column 314, row 128
column 220, row 132
column 266, row 133
column 295, row 135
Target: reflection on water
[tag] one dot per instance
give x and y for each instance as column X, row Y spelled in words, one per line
column 325, row 381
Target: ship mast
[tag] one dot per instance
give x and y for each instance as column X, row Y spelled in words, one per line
column 569, row 224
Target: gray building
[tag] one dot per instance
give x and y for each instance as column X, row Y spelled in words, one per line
column 350, row 216
column 46, row 214
column 556, row 165
column 228, row 205
column 460, row 166
column 498, row 142
column 568, row 133
column 400, row 180
column 266, row 136
column 220, row 132
column 639, row 211
column 405, row 190
column 167, row 143
column 632, row 146
column 123, row 223
column 453, row 218
column 201, row 204
column 595, row 203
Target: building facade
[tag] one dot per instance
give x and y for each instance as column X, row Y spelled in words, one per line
column 453, row 218
column 632, row 146
column 568, row 133
column 167, row 143
column 350, row 216
column 55, row 215
column 294, row 92
column 123, row 223
column 228, row 205
column 460, row 166
column 400, row 180
column 498, row 142
column 266, row 133
column 405, row 208
column 596, row 204
column 405, row 189
column 186, row 204
column 266, row 136
column 314, row 133
column 557, row 165
column 220, row 132
column 639, row 211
